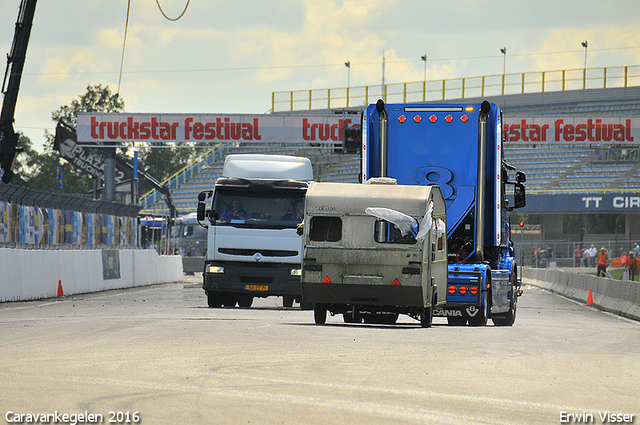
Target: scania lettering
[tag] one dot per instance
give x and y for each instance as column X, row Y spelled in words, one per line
column 459, row 148
column 253, row 249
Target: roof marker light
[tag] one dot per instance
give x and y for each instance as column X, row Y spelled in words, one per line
column 433, row 118
column 417, row 118
column 464, row 118
column 448, row 118
column 402, row 119
column 468, row 108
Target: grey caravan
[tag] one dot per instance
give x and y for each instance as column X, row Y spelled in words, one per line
column 374, row 251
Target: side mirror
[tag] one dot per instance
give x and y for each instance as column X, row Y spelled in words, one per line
column 201, row 210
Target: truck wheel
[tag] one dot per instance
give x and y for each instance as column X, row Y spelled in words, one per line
column 510, row 316
column 427, row 317
column 245, row 301
column 319, row 314
column 214, row 300
column 228, row 300
column 287, row 301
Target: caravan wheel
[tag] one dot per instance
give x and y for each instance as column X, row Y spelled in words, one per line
column 319, row 314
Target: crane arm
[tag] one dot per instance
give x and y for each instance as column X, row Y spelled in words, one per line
column 10, row 87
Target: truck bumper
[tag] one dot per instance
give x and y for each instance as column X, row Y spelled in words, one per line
column 364, row 295
column 257, row 279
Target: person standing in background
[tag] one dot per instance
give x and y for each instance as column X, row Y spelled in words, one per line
column 602, row 262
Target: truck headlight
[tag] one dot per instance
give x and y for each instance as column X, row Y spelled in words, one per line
column 215, row 269
column 296, row 272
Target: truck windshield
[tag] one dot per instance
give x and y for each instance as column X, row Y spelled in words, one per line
column 274, row 209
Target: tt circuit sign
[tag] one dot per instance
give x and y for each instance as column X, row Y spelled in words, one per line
column 572, row 130
column 580, row 202
column 155, row 128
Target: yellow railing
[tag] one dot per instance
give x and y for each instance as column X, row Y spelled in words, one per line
column 458, row 88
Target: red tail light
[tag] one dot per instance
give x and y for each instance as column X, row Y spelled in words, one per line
column 473, row 290
column 451, row 289
column 462, row 290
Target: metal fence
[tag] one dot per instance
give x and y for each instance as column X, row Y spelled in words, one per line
column 36, row 198
column 563, row 251
column 36, row 219
column 457, row 88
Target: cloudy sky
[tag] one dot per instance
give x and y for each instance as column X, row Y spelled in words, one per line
column 229, row 56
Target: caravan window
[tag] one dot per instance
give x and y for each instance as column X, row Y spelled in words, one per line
column 386, row 232
column 325, row 229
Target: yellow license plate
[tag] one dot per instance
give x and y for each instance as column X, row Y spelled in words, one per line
column 256, row 287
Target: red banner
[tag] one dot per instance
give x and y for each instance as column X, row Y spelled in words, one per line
column 583, row 130
column 104, row 127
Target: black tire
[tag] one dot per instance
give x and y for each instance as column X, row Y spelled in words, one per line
column 480, row 319
column 245, row 301
column 287, row 300
column 510, row 317
column 456, row 320
column 426, row 319
column 319, row 314
column 214, row 300
column 228, row 300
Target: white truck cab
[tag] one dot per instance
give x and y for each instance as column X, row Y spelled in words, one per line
column 253, row 249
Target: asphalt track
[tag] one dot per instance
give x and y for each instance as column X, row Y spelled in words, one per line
column 158, row 355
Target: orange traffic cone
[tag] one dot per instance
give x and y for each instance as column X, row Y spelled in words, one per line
column 590, row 297
column 60, row 292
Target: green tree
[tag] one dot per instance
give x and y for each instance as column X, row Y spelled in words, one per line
column 162, row 162
column 96, row 99
column 40, row 171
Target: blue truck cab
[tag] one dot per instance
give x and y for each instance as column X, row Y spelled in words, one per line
column 458, row 147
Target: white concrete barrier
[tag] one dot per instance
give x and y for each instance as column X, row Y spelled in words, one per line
column 29, row 274
column 617, row 296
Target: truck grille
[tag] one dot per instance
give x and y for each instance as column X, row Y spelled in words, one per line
column 263, row 252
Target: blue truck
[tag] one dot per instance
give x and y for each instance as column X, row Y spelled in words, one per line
column 458, row 147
